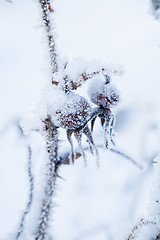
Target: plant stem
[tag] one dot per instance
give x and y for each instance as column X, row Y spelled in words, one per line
column 51, row 134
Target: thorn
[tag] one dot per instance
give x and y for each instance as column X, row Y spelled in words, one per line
column 49, row 6
column 102, row 121
column 72, row 158
column 60, row 177
column 78, row 155
column 54, row 82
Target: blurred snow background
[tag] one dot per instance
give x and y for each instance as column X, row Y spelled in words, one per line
column 90, row 203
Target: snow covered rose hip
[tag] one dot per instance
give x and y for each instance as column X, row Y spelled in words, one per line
column 105, row 96
column 75, row 112
column 73, row 116
column 102, row 92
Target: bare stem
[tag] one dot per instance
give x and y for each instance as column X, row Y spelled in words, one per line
column 127, row 157
column 21, row 225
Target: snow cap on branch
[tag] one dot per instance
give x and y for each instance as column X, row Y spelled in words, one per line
column 101, row 92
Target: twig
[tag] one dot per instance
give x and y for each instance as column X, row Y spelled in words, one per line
column 65, row 158
column 127, row 157
column 141, row 224
column 27, row 209
column 84, row 77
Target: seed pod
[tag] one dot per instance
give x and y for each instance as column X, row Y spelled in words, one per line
column 74, row 114
column 102, row 93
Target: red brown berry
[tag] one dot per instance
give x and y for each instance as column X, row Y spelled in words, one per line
column 75, row 112
column 101, row 93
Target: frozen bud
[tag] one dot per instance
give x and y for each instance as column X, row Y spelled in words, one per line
column 102, row 92
column 74, row 113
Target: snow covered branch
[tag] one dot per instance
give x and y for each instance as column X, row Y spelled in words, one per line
column 50, row 132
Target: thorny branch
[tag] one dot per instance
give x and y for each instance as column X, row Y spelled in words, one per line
column 50, row 132
column 46, row 11
column 83, row 77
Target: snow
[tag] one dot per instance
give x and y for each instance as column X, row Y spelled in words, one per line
column 90, row 203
